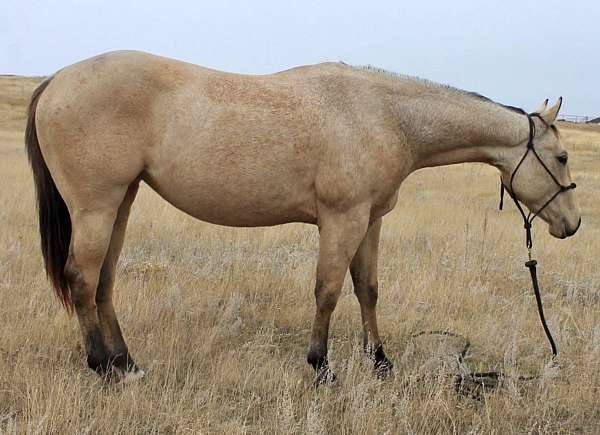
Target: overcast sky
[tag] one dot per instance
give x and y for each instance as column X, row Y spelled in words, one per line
column 515, row 51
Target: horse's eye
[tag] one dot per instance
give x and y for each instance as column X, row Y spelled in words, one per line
column 562, row 159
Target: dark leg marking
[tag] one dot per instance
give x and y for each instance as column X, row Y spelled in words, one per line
column 381, row 364
column 97, row 355
column 103, row 362
column 321, row 366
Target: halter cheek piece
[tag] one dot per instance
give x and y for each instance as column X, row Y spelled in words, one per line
column 528, row 219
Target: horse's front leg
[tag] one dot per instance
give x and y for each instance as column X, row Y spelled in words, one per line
column 363, row 269
column 340, row 236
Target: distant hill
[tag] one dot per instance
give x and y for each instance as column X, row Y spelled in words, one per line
column 15, row 92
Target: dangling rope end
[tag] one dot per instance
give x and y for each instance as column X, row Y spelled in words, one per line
column 531, row 265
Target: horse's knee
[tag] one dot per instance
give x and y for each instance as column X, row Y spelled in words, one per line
column 326, row 296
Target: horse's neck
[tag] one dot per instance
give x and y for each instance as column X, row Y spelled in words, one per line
column 459, row 128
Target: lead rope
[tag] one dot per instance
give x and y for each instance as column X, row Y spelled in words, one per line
column 531, row 265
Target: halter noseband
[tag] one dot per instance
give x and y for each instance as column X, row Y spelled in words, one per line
column 528, row 219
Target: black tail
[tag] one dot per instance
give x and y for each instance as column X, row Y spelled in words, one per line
column 54, row 219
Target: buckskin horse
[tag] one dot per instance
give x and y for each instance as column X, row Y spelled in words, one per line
column 325, row 144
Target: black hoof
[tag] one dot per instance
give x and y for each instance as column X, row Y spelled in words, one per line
column 325, row 376
column 382, row 366
column 384, row 369
column 320, row 364
column 123, row 362
column 112, row 368
column 98, row 363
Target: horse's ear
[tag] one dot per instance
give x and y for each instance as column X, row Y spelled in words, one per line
column 542, row 107
column 549, row 115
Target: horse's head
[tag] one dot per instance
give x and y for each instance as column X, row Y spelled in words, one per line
column 541, row 179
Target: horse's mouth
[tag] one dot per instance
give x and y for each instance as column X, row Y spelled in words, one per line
column 566, row 230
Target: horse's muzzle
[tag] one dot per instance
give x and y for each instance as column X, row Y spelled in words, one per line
column 570, row 231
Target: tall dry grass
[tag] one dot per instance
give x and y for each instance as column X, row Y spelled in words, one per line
column 220, row 318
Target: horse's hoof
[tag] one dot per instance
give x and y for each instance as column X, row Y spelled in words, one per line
column 132, row 376
column 325, row 376
column 384, row 369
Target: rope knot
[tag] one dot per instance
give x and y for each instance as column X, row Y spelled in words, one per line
column 531, row 263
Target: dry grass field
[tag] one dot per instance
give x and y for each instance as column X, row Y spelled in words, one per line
column 220, row 318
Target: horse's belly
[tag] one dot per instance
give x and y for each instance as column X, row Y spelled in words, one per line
column 241, row 213
column 236, row 199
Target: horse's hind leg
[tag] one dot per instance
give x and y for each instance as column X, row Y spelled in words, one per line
column 92, row 228
column 109, row 325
